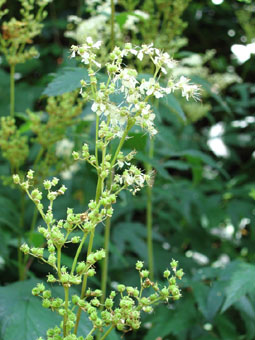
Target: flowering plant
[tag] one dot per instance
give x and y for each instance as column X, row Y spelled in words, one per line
column 115, row 173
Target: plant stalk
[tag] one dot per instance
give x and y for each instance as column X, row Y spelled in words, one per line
column 107, row 333
column 149, row 217
column 112, row 24
column 12, row 90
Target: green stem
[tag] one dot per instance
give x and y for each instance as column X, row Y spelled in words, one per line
column 78, row 253
column 91, row 239
column 106, row 260
column 96, row 148
column 39, row 155
column 149, row 217
column 12, row 90
column 84, row 282
column 34, row 219
column 107, row 333
column 123, row 138
column 112, row 24
column 66, row 310
column 59, row 261
column 21, row 264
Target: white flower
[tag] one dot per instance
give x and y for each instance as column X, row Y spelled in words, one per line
column 188, row 89
column 163, row 60
column 64, row 147
column 146, row 49
column 142, row 14
column 130, row 23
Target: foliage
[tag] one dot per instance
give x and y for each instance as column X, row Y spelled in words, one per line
column 203, row 195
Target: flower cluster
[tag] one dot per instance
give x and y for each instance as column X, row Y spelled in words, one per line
column 132, row 107
column 19, row 33
column 115, row 172
column 14, row 146
column 125, row 315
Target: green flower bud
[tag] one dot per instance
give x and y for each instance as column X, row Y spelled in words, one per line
column 64, row 278
column 139, row 265
column 55, row 181
column 179, row 274
column 41, row 287
column 46, row 303
column 56, row 303
column 121, row 288
column 93, row 316
column 97, row 292
column 172, row 280
column 75, row 155
column 174, row 264
column 113, row 294
column 80, row 267
column 98, row 323
column 95, row 302
column 16, row 179
column 30, row 174
column 35, row 291
column 120, row 326
column 52, row 260
column 75, row 239
column 47, row 294
column 166, row 273
column 91, row 272
column 164, row 292
column 24, row 248
column 51, row 278
column 47, row 184
column 75, row 299
column 25, row 185
column 144, row 273
column 148, row 309
column 108, row 303
column 130, row 290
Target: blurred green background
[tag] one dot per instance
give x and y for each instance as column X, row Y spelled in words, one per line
column 204, row 160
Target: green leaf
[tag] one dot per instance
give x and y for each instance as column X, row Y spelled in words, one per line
column 247, row 312
column 156, row 165
column 174, row 106
column 21, row 314
column 208, row 87
column 23, row 317
column 8, row 214
column 226, row 328
column 179, row 165
column 172, row 321
column 68, row 80
column 240, row 284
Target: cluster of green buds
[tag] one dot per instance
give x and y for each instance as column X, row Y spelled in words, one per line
column 61, row 111
column 124, row 315
column 14, row 146
column 16, row 34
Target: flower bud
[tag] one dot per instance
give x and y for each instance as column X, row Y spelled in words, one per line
column 121, row 288
column 24, row 248
column 16, row 179
column 139, row 265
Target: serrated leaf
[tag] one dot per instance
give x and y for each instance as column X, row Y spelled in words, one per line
column 68, row 80
column 240, row 284
column 172, row 321
column 22, row 315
